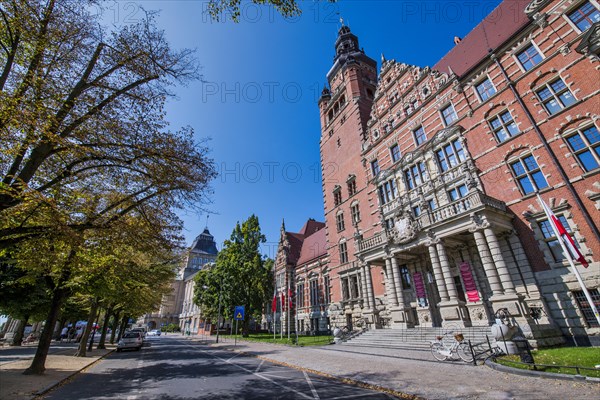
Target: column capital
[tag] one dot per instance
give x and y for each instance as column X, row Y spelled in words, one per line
column 432, row 239
column 478, row 222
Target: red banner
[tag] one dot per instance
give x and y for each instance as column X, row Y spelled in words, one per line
column 470, row 286
column 419, row 286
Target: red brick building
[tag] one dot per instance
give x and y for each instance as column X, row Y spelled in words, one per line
column 430, row 176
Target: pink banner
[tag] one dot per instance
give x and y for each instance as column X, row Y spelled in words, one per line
column 419, row 286
column 470, row 287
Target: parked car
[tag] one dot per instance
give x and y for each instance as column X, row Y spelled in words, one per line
column 154, row 332
column 141, row 330
column 131, row 340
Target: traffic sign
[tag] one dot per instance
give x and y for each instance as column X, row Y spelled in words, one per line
column 239, row 313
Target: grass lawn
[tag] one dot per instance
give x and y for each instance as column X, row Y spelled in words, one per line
column 587, row 357
column 268, row 338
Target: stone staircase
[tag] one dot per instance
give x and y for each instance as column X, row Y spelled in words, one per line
column 416, row 339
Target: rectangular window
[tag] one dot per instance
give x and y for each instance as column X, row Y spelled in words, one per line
column 314, row 293
column 485, row 89
column 503, row 126
column 355, row 211
column 375, row 167
column 337, row 197
column 586, row 308
column 339, row 219
column 408, row 110
column 550, row 237
column 528, row 175
column 419, row 135
column 450, row 155
column 458, row 192
column 416, row 175
column 354, row 289
column 300, row 296
column 343, row 253
column 555, row 96
column 585, row 144
column 529, row 57
column 405, row 274
column 417, row 211
column 584, row 16
column 395, row 152
column 449, row 115
column 431, row 203
column 345, row 289
column 327, row 289
column 351, row 188
column 388, row 191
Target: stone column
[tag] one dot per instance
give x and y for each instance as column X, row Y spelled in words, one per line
column 521, row 259
column 371, row 294
column 363, row 289
column 390, row 281
column 488, row 264
column 503, row 272
column 445, row 265
column 397, row 282
column 437, row 272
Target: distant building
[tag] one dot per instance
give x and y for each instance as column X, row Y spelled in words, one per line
column 178, row 307
column 430, row 177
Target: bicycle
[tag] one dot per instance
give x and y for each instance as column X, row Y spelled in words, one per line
column 442, row 352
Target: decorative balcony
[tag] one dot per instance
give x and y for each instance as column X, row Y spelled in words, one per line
column 374, row 241
column 407, row 228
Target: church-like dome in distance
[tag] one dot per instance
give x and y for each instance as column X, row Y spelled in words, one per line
column 205, row 243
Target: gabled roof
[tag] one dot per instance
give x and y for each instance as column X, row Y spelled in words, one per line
column 500, row 25
column 314, row 246
column 295, row 240
column 311, row 226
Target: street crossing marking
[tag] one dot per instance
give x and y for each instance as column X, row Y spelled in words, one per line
column 312, row 387
column 259, row 365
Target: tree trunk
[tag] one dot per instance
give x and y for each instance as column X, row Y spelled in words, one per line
column 82, row 350
column 20, row 332
column 38, row 365
column 101, row 344
column 122, row 327
column 114, row 326
column 59, row 326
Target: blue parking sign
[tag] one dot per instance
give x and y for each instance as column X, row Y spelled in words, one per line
column 239, row 313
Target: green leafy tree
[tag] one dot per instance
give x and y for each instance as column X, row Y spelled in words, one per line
column 241, row 276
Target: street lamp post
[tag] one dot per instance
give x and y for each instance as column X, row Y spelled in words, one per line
column 219, row 316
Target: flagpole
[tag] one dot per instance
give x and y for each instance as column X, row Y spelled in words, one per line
column 281, row 317
column 547, row 211
column 288, row 310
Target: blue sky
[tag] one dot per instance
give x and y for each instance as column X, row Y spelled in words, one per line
column 262, row 79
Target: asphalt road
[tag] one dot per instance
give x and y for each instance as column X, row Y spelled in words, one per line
column 173, row 368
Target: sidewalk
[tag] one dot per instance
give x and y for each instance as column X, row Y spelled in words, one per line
column 416, row 373
column 60, row 365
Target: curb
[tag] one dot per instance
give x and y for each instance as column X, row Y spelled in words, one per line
column 353, row 382
column 539, row 374
column 55, row 384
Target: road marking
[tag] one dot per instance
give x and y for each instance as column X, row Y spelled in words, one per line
column 233, row 357
column 254, row 373
column 259, row 365
column 312, row 387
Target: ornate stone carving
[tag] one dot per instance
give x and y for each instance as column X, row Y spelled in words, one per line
column 405, row 228
column 478, row 222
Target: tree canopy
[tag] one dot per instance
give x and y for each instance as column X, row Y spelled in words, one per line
column 241, row 276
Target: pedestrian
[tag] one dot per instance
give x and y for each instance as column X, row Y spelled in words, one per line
column 63, row 333
column 70, row 335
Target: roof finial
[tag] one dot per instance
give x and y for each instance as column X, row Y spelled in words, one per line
column 382, row 58
column 342, row 21
column 206, row 226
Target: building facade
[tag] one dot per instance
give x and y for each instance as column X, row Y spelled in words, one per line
column 430, row 177
column 178, row 307
column 302, row 281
